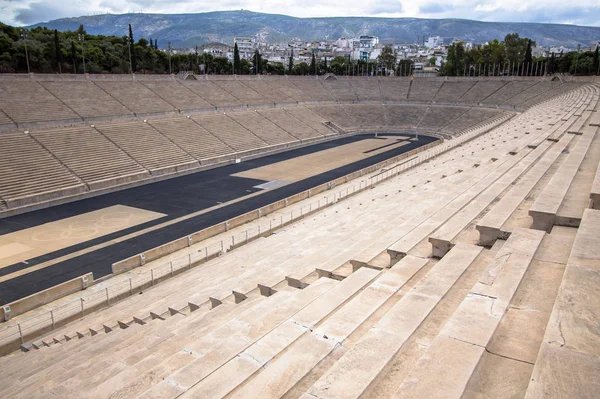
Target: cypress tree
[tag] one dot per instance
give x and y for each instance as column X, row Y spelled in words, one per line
column 132, row 49
column 291, row 64
column 551, row 64
column 528, row 57
column 596, row 60
column 313, row 64
column 57, row 53
column 260, row 63
column 256, row 62
column 151, row 44
column 73, row 56
column 236, row 59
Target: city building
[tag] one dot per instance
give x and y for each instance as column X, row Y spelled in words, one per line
column 246, row 46
column 434, row 41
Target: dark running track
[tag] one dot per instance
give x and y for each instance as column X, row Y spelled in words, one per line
column 175, row 197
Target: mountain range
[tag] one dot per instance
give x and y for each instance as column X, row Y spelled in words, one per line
column 186, row 30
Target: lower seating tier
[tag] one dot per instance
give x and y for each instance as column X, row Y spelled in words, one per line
column 353, row 301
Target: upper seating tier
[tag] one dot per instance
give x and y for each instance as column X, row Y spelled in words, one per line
column 136, row 97
column 262, row 112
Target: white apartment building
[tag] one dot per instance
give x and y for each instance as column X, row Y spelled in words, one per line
column 246, row 46
column 434, row 41
column 365, row 48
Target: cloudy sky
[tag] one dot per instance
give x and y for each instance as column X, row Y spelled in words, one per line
column 582, row 12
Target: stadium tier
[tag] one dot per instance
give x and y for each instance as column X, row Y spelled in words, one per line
column 341, row 90
column 176, row 94
column 469, row 272
column 424, row 90
column 452, row 91
column 140, row 120
column 367, row 89
column 290, row 124
column 136, row 97
column 212, row 93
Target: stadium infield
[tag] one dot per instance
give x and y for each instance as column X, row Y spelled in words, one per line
column 47, row 247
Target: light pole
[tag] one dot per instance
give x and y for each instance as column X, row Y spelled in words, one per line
column 81, row 37
column 129, row 44
column 24, row 36
column 169, row 52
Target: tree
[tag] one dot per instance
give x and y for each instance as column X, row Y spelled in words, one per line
column 566, row 62
column 257, row 63
column 339, row 65
column 103, row 54
column 432, row 61
column 493, row 53
column 132, row 49
column 301, row 69
column 455, row 60
column 313, row 64
column 528, row 58
column 387, row 58
column 322, row 67
column 244, row 66
column 236, row 59
column 596, row 60
column 404, row 68
column 57, row 52
column 275, row 68
column 551, row 64
column 291, row 63
column 73, row 56
column 516, row 47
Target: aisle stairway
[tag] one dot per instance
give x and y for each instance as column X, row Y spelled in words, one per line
column 384, row 294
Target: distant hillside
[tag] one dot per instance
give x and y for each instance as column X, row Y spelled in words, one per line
column 222, row 26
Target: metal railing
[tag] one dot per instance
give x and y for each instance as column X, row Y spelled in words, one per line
column 14, row 335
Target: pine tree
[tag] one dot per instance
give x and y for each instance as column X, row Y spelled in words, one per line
column 236, row 59
column 313, row 64
column 291, row 64
column 57, row 52
column 132, row 48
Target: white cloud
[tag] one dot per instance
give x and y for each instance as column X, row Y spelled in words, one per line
column 585, row 12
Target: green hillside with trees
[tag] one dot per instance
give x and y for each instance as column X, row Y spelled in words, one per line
column 43, row 50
